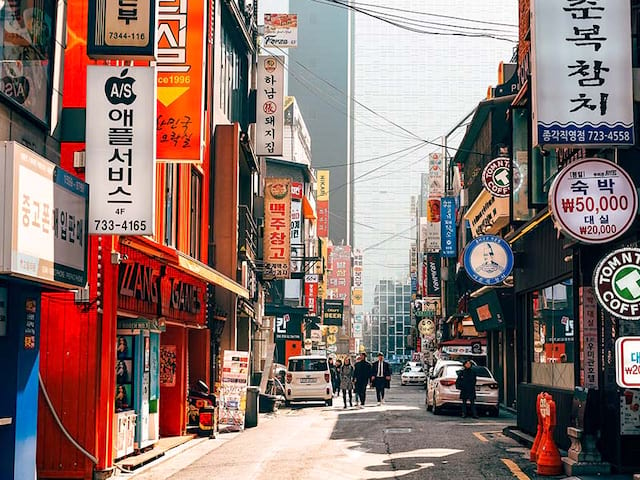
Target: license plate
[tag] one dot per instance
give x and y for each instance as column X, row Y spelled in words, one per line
column 308, row 380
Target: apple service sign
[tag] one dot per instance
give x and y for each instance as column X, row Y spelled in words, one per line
column 488, row 259
column 616, row 280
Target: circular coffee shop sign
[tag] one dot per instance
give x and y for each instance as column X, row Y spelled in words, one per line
column 495, row 177
column 593, row 201
column 488, row 259
column 616, row 280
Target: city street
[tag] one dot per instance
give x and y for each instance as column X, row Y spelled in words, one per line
column 399, row 440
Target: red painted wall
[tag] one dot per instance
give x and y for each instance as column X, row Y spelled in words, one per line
column 173, row 399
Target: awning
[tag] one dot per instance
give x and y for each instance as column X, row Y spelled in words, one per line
column 307, row 209
column 210, row 275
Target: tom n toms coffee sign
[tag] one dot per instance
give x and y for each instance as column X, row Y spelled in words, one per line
column 593, row 201
column 495, row 177
column 488, row 259
column 616, row 280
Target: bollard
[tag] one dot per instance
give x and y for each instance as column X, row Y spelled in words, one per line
column 533, row 455
column 549, row 461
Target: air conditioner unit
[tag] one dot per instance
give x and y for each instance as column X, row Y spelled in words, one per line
column 79, row 159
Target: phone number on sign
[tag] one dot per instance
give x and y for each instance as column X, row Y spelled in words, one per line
column 111, row 225
column 591, row 205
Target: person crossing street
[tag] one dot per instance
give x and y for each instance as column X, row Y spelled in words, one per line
column 381, row 377
column 361, row 378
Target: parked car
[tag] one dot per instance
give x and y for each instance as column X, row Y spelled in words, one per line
column 413, row 376
column 308, row 379
column 442, row 392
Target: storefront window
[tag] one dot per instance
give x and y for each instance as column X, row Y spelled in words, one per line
column 553, row 335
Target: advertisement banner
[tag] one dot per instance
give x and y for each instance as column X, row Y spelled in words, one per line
column 270, row 106
column 46, row 214
column 436, row 175
column 323, row 218
column 433, row 274
column 233, row 390
column 582, row 54
column 277, row 228
column 339, row 274
column 433, row 225
column 448, row 227
column 288, row 328
column 332, row 312
column 121, row 150
column 280, row 30
column 181, row 55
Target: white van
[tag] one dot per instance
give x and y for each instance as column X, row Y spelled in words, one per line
column 308, row 379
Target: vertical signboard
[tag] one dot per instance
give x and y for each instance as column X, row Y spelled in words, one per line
column 448, row 227
column 582, row 53
column 424, row 194
column 233, row 390
column 270, row 106
column 588, row 316
column 340, row 273
column 311, row 293
column 332, row 312
column 277, row 228
column 280, row 30
column 433, row 274
column 422, row 235
column 297, row 247
column 181, row 55
column 436, row 175
column 121, row 150
column 433, row 225
column 323, row 203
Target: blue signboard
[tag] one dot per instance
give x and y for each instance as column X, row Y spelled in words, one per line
column 488, row 259
column 414, row 283
column 448, row 227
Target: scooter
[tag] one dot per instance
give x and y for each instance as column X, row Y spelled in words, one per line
column 202, row 410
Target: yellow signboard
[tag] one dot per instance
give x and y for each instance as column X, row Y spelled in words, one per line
column 323, row 185
column 356, row 296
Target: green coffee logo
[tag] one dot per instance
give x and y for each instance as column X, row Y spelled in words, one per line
column 626, row 283
column 617, row 283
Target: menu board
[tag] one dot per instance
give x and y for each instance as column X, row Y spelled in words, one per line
column 233, row 390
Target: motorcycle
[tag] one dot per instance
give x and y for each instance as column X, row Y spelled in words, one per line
column 202, row 410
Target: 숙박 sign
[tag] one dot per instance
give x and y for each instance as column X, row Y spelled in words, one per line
column 448, row 227
column 280, row 30
column 181, row 55
column 277, row 228
column 581, row 52
column 616, row 280
column 593, row 200
column 628, row 362
column 120, row 149
column 270, row 106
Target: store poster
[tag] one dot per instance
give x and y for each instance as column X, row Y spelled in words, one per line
column 124, row 373
column 168, row 360
column 233, row 390
column 630, row 412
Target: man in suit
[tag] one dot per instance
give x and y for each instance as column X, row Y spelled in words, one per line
column 361, row 378
column 380, row 377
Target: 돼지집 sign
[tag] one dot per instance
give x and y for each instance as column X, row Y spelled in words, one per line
column 582, row 54
column 628, row 362
column 616, row 280
column 488, row 259
column 593, row 201
column 121, row 149
column 270, row 106
column 495, row 177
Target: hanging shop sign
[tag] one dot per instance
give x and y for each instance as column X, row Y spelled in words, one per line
column 436, row 175
column 588, row 322
column 487, row 214
column 495, row 177
column 488, row 259
column 180, row 87
column 280, row 30
column 616, row 280
column 288, row 327
column 332, row 312
column 448, row 227
column 582, row 54
column 433, row 274
column 311, row 295
column 277, row 228
column 356, row 296
column 339, row 275
column 628, row 362
column 593, row 201
column 120, row 149
column 427, row 327
column 123, row 30
column 433, row 225
column 322, row 204
column 270, row 106
column 297, row 247
column 45, row 211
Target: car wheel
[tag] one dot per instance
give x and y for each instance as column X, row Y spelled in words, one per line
column 435, row 409
column 287, row 403
column 329, row 402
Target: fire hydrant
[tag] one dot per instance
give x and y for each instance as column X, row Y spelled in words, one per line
column 548, row 461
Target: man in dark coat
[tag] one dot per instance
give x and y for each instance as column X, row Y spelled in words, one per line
column 381, row 377
column 466, row 382
column 361, row 377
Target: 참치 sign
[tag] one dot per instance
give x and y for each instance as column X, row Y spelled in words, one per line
column 628, row 362
column 616, row 280
column 581, row 60
column 593, row 201
column 121, row 149
column 488, row 259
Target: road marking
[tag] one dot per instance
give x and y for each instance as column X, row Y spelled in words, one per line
column 480, row 437
column 515, row 469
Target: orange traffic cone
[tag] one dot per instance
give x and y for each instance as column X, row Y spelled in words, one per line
column 549, row 461
column 533, row 455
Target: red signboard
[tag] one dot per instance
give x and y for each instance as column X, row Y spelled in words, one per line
column 339, row 277
column 311, row 297
column 323, row 218
column 296, row 190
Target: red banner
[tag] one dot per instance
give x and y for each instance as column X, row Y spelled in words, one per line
column 323, row 218
column 311, row 297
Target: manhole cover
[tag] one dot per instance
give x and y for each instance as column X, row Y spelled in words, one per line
column 398, row 430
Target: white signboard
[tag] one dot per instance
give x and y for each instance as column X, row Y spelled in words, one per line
column 436, row 175
column 593, row 200
column 280, row 30
column 628, row 362
column 270, row 106
column 46, row 213
column 422, row 235
column 588, row 314
column 297, row 248
column 581, row 73
column 121, row 149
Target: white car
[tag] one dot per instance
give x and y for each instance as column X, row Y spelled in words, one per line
column 413, row 376
column 308, row 379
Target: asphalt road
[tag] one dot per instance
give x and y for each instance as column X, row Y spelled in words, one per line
column 398, row 440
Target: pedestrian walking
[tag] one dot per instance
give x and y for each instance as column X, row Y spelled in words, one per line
column 466, row 383
column 347, row 372
column 362, row 372
column 333, row 374
column 335, row 381
column 381, row 377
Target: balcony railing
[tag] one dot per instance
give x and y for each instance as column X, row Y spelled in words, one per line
column 247, row 234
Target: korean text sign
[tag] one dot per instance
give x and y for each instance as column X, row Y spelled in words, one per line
column 448, row 227
column 277, row 228
column 181, row 55
column 46, row 238
column 270, row 105
column 120, row 149
column 582, row 84
column 628, row 362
